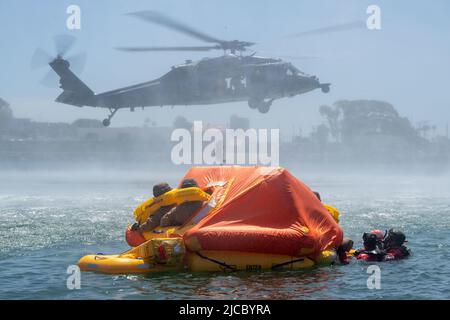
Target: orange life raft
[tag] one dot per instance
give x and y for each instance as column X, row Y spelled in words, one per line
column 257, row 217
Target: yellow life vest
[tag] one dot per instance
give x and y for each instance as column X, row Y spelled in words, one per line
column 172, row 197
column 333, row 211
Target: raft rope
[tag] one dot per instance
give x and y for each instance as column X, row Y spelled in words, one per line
column 223, row 264
column 233, row 268
column 276, row 266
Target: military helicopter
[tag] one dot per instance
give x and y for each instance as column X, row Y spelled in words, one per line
column 230, row 77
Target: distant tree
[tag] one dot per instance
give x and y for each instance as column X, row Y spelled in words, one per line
column 332, row 116
column 182, row 122
column 320, row 135
column 87, row 123
column 6, row 114
column 3, row 103
column 372, row 117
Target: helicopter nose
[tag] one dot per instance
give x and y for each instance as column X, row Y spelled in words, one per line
column 309, row 83
column 325, row 87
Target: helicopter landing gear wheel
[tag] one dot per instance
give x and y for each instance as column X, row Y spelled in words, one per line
column 264, row 107
column 325, row 88
column 106, row 122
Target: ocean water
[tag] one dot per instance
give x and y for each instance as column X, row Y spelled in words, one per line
column 49, row 220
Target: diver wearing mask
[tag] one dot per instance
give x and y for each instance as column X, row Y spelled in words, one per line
column 394, row 247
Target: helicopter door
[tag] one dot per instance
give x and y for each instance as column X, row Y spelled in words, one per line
column 186, row 85
column 212, row 85
column 257, row 83
column 237, row 84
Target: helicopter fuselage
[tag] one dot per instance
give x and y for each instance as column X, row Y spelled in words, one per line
column 223, row 79
column 228, row 78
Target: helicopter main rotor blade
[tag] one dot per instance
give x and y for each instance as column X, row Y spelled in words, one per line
column 155, row 17
column 147, row 49
column 294, row 57
column 330, row 29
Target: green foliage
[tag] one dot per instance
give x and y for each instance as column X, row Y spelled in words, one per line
column 332, row 116
column 350, row 120
column 371, row 131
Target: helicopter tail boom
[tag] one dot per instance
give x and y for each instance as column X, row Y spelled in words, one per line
column 76, row 92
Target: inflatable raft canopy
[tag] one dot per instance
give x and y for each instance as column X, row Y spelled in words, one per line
column 262, row 217
column 263, row 210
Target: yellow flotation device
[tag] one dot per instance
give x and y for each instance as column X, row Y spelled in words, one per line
column 155, row 255
column 333, row 211
column 172, row 197
column 326, row 257
column 169, row 254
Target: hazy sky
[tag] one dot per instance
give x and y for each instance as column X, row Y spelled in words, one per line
column 406, row 63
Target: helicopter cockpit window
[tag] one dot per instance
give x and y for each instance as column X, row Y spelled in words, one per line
column 291, row 70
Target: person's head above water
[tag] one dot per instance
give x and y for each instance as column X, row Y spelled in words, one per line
column 347, row 244
column 160, row 188
column 317, row 195
column 189, row 183
column 394, row 238
column 370, row 241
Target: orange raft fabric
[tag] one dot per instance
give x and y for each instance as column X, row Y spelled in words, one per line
column 134, row 238
column 263, row 210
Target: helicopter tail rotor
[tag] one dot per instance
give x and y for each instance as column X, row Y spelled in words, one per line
column 63, row 44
